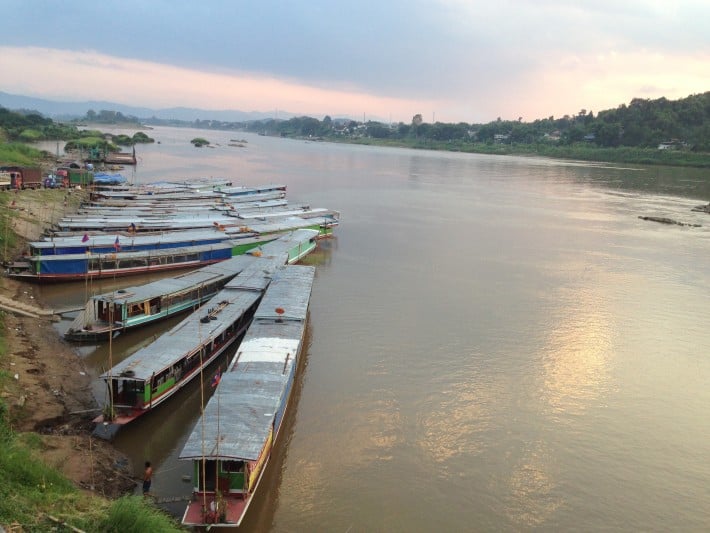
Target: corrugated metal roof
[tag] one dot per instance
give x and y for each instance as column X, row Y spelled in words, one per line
column 240, row 414
column 135, row 240
column 195, row 278
column 187, row 336
column 182, row 282
column 143, row 253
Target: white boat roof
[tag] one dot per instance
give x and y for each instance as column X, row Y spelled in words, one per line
column 239, row 417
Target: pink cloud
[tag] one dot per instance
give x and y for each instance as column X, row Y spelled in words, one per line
column 53, row 73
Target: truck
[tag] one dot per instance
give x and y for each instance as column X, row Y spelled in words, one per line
column 75, row 176
column 20, row 178
column 5, row 180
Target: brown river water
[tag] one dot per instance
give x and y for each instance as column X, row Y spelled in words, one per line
column 495, row 343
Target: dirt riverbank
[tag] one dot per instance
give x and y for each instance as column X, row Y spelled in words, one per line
column 48, row 390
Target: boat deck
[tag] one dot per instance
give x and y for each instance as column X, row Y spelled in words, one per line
column 236, row 507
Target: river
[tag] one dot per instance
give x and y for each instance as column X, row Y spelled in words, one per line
column 495, row 343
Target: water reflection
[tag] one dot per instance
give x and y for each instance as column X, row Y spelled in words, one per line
column 575, row 357
column 533, row 494
column 375, row 429
column 455, row 421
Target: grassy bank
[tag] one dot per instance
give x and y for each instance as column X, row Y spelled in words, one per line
column 579, row 152
column 19, row 154
column 34, row 496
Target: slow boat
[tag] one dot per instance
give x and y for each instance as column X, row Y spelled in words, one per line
column 231, row 445
column 181, row 220
column 128, row 308
column 74, row 267
column 150, row 376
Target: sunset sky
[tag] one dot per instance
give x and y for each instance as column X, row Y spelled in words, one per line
column 450, row 60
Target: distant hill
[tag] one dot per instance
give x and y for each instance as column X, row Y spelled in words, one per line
column 73, row 110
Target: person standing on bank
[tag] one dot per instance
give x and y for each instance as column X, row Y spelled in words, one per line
column 147, row 477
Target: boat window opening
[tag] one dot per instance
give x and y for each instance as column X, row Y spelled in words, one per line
column 128, row 392
column 210, row 475
column 232, row 467
column 160, row 379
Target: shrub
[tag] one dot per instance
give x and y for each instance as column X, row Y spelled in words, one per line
column 136, row 514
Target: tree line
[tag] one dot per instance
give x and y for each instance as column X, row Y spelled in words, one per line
column 643, row 123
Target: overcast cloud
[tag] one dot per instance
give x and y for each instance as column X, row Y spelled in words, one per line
column 450, row 60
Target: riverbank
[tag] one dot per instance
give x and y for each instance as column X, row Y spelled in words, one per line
column 45, row 391
column 575, row 152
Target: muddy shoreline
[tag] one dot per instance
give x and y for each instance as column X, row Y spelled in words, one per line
column 49, row 391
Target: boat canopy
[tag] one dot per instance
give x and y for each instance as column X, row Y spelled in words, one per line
column 240, row 415
column 193, row 332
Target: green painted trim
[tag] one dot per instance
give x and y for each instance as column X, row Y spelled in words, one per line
column 241, row 249
column 169, row 384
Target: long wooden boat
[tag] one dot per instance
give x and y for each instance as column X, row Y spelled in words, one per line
column 73, row 267
column 230, row 447
column 143, row 208
column 146, row 379
column 105, row 243
column 113, row 312
column 181, row 221
column 193, row 189
column 189, row 210
column 99, row 242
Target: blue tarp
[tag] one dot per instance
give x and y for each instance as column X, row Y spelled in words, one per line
column 108, row 179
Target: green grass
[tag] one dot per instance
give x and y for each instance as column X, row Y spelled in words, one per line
column 135, row 513
column 580, row 151
column 19, row 154
column 31, row 491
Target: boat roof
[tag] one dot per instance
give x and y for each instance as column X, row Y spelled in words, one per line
column 139, row 239
column 194, row 279
column 239, row 417
column 143, row 253
column 141, row 208
column 185, row 189
column 282, row 224
column 179, row 283
column 290, row 212
column 250, row 226
column 184, row 220
column 191, row 333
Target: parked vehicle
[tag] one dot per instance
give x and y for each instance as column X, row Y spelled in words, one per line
column 53, row 182
column 5, row 180
column 21, row 177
